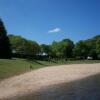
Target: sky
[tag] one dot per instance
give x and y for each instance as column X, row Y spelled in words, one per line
column 45, row 21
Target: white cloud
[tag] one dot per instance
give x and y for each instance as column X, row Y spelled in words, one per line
column 54, row 30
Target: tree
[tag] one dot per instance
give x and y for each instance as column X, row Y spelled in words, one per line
column 46, row 48
column 33, row 47
column 5, row 47
column 63, row 49
column 23, row 46
column 81, row 49
column 98, row 48
column 56, row 49
column 17, row 44
column 93, row 46
column 67, row 48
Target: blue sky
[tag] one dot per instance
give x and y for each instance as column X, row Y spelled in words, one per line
column 46, row 21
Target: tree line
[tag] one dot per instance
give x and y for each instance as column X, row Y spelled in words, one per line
column 17, row 46
column 63, row 49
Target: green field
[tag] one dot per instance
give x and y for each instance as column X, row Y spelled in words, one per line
column 13, row 67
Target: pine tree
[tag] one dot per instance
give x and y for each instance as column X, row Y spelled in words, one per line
column 5, row 48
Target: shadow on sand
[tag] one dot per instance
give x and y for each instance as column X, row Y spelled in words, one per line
column 84, row 89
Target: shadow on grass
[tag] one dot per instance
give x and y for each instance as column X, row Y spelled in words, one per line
column 33, row 60
column 84, row 89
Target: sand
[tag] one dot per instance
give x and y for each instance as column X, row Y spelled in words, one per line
column 64, row 82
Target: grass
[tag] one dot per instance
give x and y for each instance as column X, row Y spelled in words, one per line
column 13, row 67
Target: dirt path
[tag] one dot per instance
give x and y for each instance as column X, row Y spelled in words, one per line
column 66, row 82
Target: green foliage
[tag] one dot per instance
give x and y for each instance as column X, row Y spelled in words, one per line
column 56, row 49
column 90, row 47
column 23, row 46
column 5, row 50
column 98, row 46
column 81, row 49
column 94, row 46
column 46, row 48
column 62, row 48
column 67, row 47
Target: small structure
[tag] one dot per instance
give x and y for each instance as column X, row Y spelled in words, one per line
column 42, row 54
column 89, row 58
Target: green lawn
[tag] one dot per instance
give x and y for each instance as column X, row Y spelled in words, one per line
column 13, row 67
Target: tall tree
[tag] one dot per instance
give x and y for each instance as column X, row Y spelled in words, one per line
column 46, row 48
column 67, row 48
column 5, row 50
column 56, row 47
column 21, row 45
column 81, row 49
column 63, row 48
column 98, row 48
